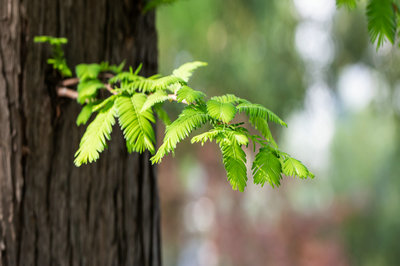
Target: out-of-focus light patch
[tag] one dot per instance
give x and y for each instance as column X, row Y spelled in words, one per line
column 258, row 199
column 320, row 10
column 310, row 131
column 182, row 57
column 199, row 216
column 217, row 36
column 310, row 196
column 256, row 46
column 207, row 254
column 396, row 98
column 357, row 86
column 308, row 138
column 314, row 43
column 193, row 176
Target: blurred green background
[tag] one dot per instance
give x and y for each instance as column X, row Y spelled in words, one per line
column 314, row 66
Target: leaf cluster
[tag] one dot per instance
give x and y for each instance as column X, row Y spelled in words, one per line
column 134, row 101
column 382, row 17
column 57, row 59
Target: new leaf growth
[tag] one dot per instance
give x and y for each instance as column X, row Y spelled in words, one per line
column 135, row 100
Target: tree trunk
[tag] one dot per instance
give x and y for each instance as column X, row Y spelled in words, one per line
column 52, row 213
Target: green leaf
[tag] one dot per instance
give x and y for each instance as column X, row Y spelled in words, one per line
column 256, row 110
column 381, row 21
column 87, row 71
column 293, row 167
column 136, row 125
column 123, row 77
column 227, row 98
column 162, row 114
column 192, row 117
column 206, row 136
column 51, row 40
column 267, row 168
column 164, row 82
column 152, row 99
column 189, row 95
column 224, row 112
column 105, row 66
column 88, row 89
column 185, row 71
column 84, row 115
column 104, row 103
column 350, row 4
column 93, row 141
column 234, row 160
column 261, row 125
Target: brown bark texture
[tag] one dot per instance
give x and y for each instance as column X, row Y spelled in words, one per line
column 51, row 212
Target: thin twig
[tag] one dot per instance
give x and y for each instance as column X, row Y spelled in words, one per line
column 70, row 82
column 172, row 97
column 66, row 92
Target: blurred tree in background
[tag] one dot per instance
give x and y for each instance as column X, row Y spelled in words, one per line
column 313, row 65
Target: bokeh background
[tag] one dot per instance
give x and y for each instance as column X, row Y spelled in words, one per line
column 314, row 66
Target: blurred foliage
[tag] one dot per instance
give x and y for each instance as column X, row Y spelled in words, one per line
column 249, row 46
column 365, row 165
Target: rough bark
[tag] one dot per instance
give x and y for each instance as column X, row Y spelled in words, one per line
column 52, row 213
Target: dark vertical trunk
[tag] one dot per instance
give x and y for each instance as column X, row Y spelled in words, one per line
column 52, row 213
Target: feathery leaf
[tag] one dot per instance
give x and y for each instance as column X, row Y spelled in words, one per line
column 162, row 114
column 94, row 140
column 152, row 99
column 261, row 125
column 224, row 112
column 84, row 115
column 185, row 71
column 350, row 4
column 191, row 118
column 227, row 98
column 381, row 21
column 234, row 160
column 189, row 95
column 293, row 167
column 136, row 125
column 256, row 110
column 267, row 168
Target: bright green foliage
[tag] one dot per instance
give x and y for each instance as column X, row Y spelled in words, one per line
column 57, row 60
column 267, row 168
column 134, row 99
column 234, row 159
column 87, row 71
column 185, row 71
column 189, row 95
column 346, row 3
column 84, row 115
column 94, row 140
column 88, row 89
column 155, row 98
column 206, row 136
column 382, row 19
column 227, row 98
column 191, row 118
column 293, row 167
column 261, row 125
column 162, row 114
column 221, row 111
column 259, row 111
column 136, row 125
